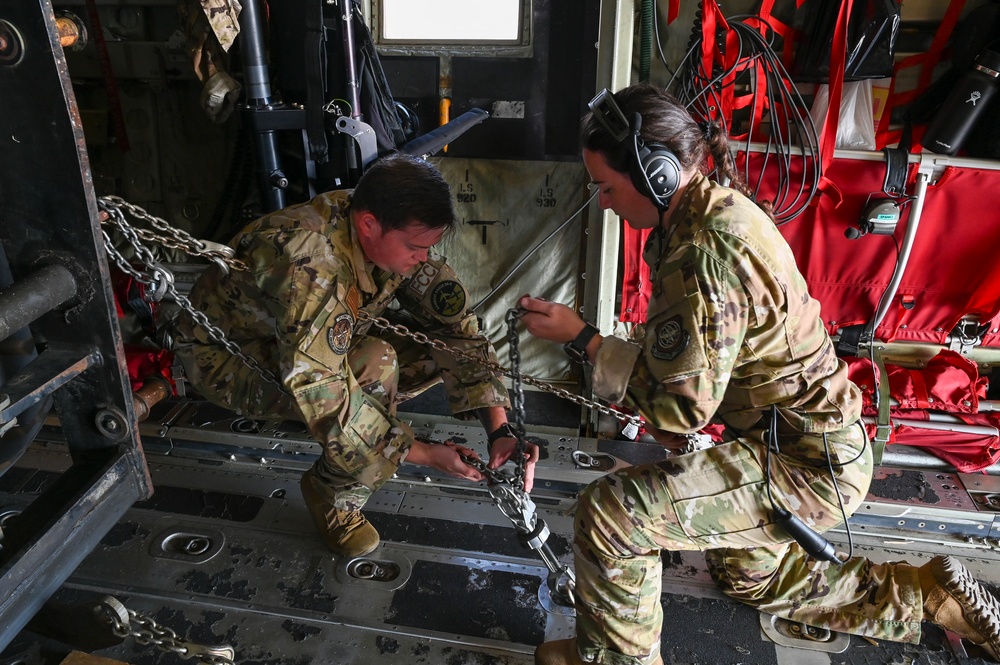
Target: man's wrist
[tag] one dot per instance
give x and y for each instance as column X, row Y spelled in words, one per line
column 502, row 432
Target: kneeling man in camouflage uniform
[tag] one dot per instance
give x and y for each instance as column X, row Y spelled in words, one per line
column 318, row 273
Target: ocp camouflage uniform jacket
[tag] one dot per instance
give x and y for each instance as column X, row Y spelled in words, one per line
column 298, row 306
column 731, row 328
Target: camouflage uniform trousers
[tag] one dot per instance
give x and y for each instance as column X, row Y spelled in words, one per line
column 390, row 371
column 716, row 501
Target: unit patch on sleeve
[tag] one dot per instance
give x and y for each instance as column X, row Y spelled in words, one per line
column 448, row 298
column 339, row 334
column 671, row 339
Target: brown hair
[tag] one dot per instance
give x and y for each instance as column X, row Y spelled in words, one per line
column 665, row 121
column 401, row 189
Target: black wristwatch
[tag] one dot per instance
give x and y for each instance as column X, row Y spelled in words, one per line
column 501, row 432
column 577, row 349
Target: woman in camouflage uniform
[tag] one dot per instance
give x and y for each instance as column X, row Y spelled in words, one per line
column 732, row 337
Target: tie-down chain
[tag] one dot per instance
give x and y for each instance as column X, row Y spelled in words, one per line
column 125, row 622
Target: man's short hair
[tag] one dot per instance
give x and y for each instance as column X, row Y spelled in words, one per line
column 401, row 189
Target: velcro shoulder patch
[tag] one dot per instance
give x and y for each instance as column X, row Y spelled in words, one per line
column 331, row 331
column 448, row 299
column 674, row 341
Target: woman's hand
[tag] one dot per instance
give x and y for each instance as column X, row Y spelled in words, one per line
column 445, row 458
column 549, row 320
column 503, row 448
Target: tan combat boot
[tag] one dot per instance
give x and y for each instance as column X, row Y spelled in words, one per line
column 957, row 602
column 345, row 532
column 563, row 652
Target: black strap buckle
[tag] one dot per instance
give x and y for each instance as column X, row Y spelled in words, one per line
column 577, row 349
column 896, row 163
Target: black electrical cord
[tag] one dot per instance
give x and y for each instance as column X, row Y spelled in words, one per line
column 656, row 37
column 790, row 121
column 812, row 542
column 836, row 490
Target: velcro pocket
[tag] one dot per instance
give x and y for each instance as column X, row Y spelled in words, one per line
column 365, row 431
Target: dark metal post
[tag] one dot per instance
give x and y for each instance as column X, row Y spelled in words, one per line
column 350, row 59
column 271, row 179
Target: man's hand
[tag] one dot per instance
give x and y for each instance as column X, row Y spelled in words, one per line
column 445, row 458
column 503, row 448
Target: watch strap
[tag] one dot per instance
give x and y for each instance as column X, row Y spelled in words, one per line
column 501, row 432
column 577, row 349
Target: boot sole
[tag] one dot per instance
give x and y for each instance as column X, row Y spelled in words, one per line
column 979, row 606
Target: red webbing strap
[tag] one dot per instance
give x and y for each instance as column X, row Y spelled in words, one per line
column 758, row 98
column 711, row 18
column 673, row 10
column 828, row 133
column 787, row 32
column 921, row 393
column 927, row 62
column 729, row 62
column 712, row 23
column 108, row 74
column 764, row 23
column 636, row 287
column 714, row 59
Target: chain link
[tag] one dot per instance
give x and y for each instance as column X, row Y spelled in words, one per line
column 517, row 395
column 160, row 283
column 147, row 632
column 175, row 238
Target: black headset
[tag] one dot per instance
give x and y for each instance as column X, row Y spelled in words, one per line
column 654, row 169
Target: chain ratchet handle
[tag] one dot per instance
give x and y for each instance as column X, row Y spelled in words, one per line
column 533, row 533
column 532, row 530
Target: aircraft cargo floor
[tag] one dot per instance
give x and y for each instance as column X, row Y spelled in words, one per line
column 224, row 553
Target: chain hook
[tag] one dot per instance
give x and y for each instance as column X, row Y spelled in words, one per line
column 161, row 281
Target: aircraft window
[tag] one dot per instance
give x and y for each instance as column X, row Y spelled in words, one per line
column 434, row 26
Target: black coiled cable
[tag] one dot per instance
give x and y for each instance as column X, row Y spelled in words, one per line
column 791, row 151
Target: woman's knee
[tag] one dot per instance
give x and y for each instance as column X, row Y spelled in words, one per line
column 740, row 574
column 601, row 521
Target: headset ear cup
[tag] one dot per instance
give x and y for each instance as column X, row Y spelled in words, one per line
column 656, row 173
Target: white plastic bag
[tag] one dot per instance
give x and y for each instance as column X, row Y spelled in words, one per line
column 856, row 129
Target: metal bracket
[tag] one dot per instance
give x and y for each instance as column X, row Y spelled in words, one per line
column 363, row 134
column 801, row 636
column 595, row 461
column 967, row 335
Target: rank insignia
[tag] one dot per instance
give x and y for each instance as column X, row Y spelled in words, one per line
column 339, row 334
column 671, row 339
column 448, row 298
